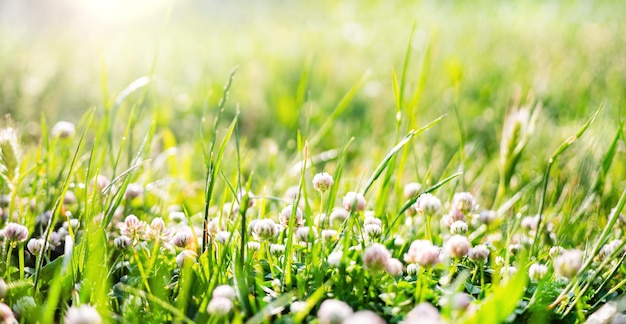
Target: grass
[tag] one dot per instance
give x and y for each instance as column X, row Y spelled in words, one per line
column 187, row 195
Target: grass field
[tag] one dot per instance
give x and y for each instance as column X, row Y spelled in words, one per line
column 312, row 161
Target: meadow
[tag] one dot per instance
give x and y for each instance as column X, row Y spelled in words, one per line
column 312, row 161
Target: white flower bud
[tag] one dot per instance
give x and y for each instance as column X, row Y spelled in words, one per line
column 322, row 181
column 264, row 229
column 277, row 249
column 464, row 202
column 411, row 189
column 354, row 201
column 329, row 235
column 568, row 264
column 373, row 230
column 333, row 311
column 15, row 233
column 428, row 204
column 220, row 306
column 224, row 291
column 63, row 129
column 394, row 267
column 458, row 227
column 555, row 251
column 364, row 316
column 375, row 257
column 182, row 239
column 35, row 246
column 479, row 253
column 537, row 271
column 412, row 269
column 297, row 306
column 186, row 257
column 285, row 216
column 334, row 259
column 122, row 242
column 254, row 246
column 305, row 233
column 457, row 246
column 83, row 314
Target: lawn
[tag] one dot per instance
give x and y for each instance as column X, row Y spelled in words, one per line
column 312, row 161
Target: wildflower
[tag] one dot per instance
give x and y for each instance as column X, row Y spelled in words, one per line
column 394, row 267
column 354, row 201
column 423, row 313
column 479, row 253
column 24, row 306
column 322, row 181
column 277, row 249
column 15, row 233
column 373, row 230
column 220, row 306
column 224, row 291
column 423, row 253
column 338, row 216
column 412, row 269
column 304, row 234
column 334, row 259
column 185, row 257
column 277, row 285
column 122, row 242
column 333, row 311
column 83, row 314
column 254, row 246
column 182, row 239
column 457, row 246
column 458, row 227
column 569, row 263
column 134, row 228
column 555, row 251
column 487, row 216
column 508, row 271
column 537, row 271
column 265, row 229
column 157, row 230
column 320, row 220
column 285, row 216
column 222, row 237
column 6, row 314
column 100, row 182
column 63, row 129
column 411, row 189
column 69, row 198
column 178, row 217
column 3, row 288
column 329, row 235
column 297, row 306
column 428, row 204
column 457, row 301
column 133, row 190
column 464, row 202
column 376, row 257
column 364, row 316
column 230, row 209
column 292, row 193
column 35, row 246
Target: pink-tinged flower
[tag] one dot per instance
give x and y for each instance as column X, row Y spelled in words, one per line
column 354, row 201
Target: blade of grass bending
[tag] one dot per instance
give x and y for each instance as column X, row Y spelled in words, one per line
column 55, row 210
column 339, row 109
column 412, row 201
column 381, row 167
column 208, row 156
column 546, row 177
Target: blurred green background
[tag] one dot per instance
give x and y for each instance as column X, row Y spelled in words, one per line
column 62, row 58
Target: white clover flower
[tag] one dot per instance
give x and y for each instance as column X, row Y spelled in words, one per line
column 555, row 251
column 264, row 229
column 220, row 306
column 411, row 189
column 322, row 181
column 376, row 257
column 373, row 230
column 354, row 201
column 133, row 190
column 457, row 246
column 412, row 269
column 186, row 257
column 338, row 216
column 329, row 235
column 277, row 249
column 122, row 242
column 463, row 202
column 479, row 253
column 183, row 239
column 83, row 314
column 333, row 311
column 334, row 259
column 423, row 253
column 364, row 316
column 6, row 314
column 285, row 216
column 537, row 271
column 297, row 306
column 304, row 234
column 254, row 246
column 508, row 271
column 459, row 227
column 423, row 313
column 569, row 263
column 394, row 267
column 15, row 233
column 224, row 291
column 222, row 237
column 63, row 129
column 428, row 204
column 35, row 246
